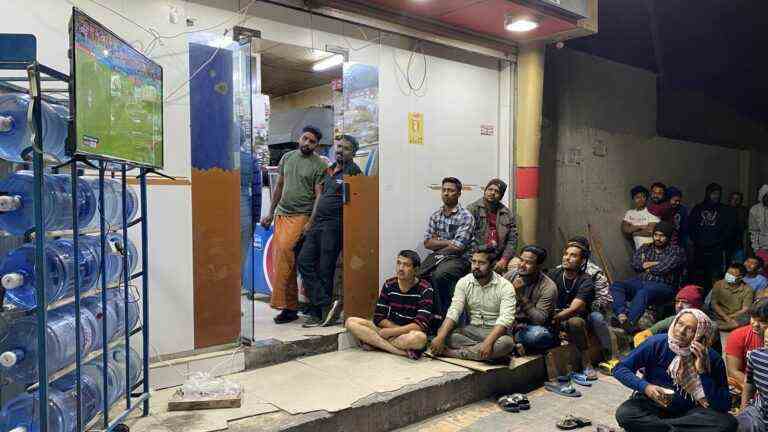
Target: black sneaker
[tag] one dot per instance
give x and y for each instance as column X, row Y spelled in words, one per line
column 312, row 321
column 285, row 316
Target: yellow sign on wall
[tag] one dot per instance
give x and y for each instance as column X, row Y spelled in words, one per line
column 416, row 128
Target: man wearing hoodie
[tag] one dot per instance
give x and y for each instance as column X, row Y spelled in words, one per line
column 758, row 224
column 711, row 226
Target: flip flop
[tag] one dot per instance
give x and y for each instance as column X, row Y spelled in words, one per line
column 508, row 404
column 581, row 379
column 590, row 373
column 522, row 401
column 562, row 390
column 570, row 422
column 607, row 366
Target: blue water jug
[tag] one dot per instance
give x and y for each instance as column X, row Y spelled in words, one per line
column 16, row 135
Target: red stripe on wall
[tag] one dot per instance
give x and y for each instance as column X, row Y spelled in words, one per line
column 527, row 182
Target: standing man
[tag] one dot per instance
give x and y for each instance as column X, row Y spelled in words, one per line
column 575, row 294
column 758, row 224
column 683, row 387
column 299, row 182
column 494, row 225
column 659, row 205
column 658, row 265
column 449, row 233
column 536, row 296
column 638, row 222
column 403, row 312
column 489, row 301
column 323, row 240
column 679, row 217
column 735, row 251
column 711, row 227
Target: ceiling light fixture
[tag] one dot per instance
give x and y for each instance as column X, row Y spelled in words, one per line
column 328, row 63
column 520, row 23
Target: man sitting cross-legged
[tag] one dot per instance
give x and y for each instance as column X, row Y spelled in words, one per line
column 403, row 312
column 489, row 301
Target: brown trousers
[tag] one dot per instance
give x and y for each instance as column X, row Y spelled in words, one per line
column 285, row 290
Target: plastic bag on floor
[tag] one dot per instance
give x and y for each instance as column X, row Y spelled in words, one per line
column 201, row 385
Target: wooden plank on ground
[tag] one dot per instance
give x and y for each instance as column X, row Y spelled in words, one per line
column 178, row 402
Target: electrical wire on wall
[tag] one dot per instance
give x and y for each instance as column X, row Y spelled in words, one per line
column 416, row 85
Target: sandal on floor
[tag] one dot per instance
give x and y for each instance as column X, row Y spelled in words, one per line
column 607, row 367
column 508, row 404
column 570, row 422
column 562, row 390
column 590, row 373
column 522, row 401
column 581, row 379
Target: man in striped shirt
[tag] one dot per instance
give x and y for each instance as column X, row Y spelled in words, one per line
column 403, row 312
column 754, row 403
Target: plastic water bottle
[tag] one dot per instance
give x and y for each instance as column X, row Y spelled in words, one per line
column 17, row 271
column 21, row 414
column 16, row 204
column 16, row 135
column 113, row 203
column 18, row 354
column 116, row 248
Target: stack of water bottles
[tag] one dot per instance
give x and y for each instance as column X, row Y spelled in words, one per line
column 19, row 350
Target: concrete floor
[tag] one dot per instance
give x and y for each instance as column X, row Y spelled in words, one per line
column 598, row 403
column 257, row 324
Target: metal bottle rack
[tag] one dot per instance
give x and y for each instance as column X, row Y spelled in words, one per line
column 135, row 395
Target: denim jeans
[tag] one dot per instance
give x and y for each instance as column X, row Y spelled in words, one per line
column 536, row 337
column 599, row 326
column 639, row 294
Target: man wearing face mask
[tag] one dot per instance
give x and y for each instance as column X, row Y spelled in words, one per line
column 323, row 239
column 683, row 386
column 494, row 225
column 659, row 265
column 731, row 298
column 711, row 227
column 448, row 236
column 300, row 179
column 743, row 340
column 489, row 301
column 758, row 224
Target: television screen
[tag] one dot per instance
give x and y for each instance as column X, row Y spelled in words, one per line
column 117, row 96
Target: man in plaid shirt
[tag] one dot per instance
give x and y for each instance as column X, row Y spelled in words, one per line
column 448, row 236
column 659, row 265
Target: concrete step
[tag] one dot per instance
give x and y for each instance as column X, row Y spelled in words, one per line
column 350, row 390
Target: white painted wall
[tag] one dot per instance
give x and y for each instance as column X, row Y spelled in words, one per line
column 459, row 98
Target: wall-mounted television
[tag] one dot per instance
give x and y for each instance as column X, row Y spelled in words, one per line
column 116, row 97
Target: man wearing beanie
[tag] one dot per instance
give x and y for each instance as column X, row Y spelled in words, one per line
column 658, row 266
column 638, row 222
column 494, row 225
column 689, row 297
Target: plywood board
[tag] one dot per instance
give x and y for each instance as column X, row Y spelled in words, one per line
column 179, row 402
column 361, row 246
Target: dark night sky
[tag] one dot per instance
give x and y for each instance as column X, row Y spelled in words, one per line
column 717, row 47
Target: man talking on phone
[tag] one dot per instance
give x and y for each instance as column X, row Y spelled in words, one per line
column 684, row 387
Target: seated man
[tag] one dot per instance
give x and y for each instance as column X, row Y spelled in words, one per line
column 731, row 299
column 449, row 233
column 659, row 265
column 403, row 312
column 689, row 297
column 743, row 340
column 752, row 417
column 536, row 296
column 489, row 301
column 684, row 386
column 575, row 294
column 754, row 277
column 494, row 225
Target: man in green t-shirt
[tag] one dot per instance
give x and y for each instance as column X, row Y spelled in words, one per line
column 299, row 182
